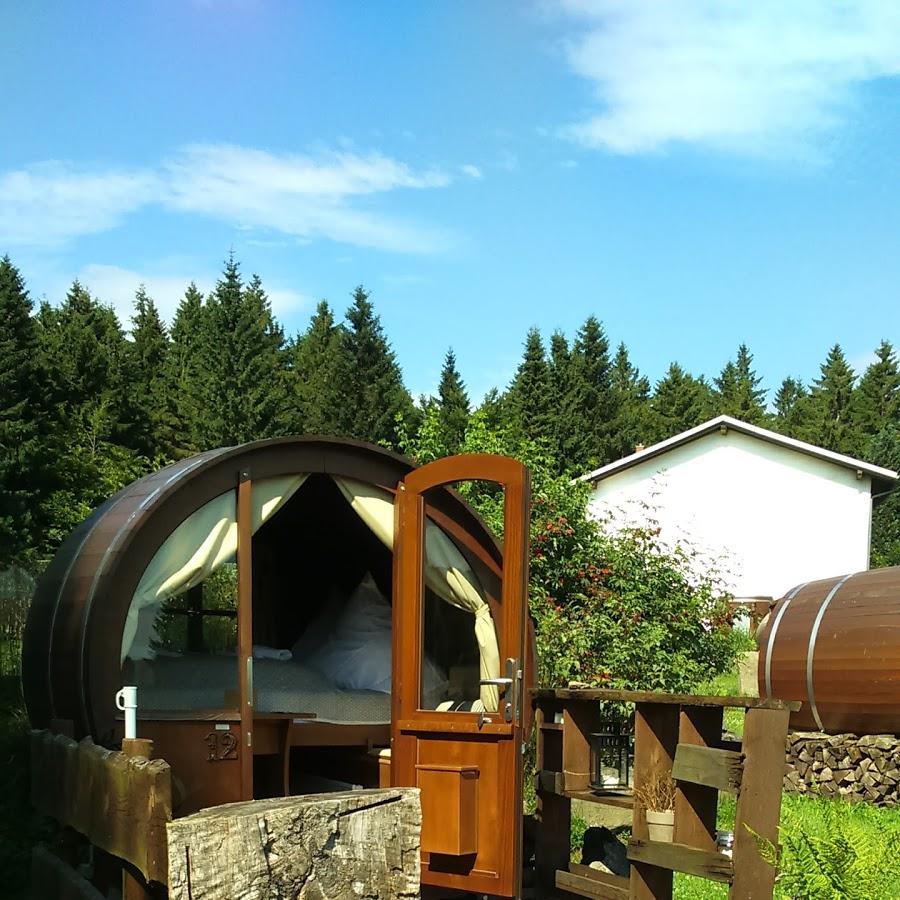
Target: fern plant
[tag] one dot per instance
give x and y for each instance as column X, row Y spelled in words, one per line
column 835, row 857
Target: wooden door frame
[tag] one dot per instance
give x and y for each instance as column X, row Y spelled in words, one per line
column 245, row 627
column 408, row 721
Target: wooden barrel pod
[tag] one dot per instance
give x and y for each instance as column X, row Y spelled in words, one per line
column 71, row 650
column 835, row 645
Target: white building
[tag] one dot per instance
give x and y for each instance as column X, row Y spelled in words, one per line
column 778, row 510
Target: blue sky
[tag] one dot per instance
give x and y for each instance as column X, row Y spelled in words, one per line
column 696, row 174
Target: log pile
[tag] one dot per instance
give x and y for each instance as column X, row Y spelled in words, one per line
column 864, row 768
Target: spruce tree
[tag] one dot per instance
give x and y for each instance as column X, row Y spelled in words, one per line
column 95, row 419
column 315, row 361
column 884, row 450
column 738, row 391
column 790, row 408
column 876, row 402
column 680, row 402
column 187, row 374
column 453, row 404
column 632, row 392
column 831, row 400
column 90, row 368
column 589, row 409
column 372, row 390
column 152, row 386
column 245, row 392
column 531, row 403
column 560, row 364
column 22, row 412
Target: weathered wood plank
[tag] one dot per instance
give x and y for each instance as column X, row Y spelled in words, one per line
column 120, row 804
column 681, row 858
column 317, row 845
column 655, row 740
column 696, row 805
column 721, row 769
column 587, row 882
column 609, row 694
column 759, row 802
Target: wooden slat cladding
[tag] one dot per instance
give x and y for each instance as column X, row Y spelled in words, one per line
column 120, row 804
column 708, row 766
column 842, row 636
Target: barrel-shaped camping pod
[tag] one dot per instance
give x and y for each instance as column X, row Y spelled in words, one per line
column 300, row 614
column 834, row 644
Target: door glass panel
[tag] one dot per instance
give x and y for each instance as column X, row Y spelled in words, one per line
column 459, row 638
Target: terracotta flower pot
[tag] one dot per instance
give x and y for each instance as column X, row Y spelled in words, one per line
column 661, row 824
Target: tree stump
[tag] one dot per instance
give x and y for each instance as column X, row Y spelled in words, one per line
column 312, row 847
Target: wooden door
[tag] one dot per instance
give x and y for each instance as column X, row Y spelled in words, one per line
column 467, row 764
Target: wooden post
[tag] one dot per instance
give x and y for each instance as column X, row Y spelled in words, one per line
column 245, row 628
column 759, row 803
column 133, row 885
column 655, row 740
column 695, row 804
column 553, row 816
column 580, row 718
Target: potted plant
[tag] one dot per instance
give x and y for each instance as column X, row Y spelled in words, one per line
column 657, row 796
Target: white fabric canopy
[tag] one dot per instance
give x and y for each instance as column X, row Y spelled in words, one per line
column 193, row 551
column 446, row 572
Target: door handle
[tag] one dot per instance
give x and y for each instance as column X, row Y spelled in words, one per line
column 496, row 682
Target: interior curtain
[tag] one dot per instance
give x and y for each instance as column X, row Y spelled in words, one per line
column 446, row 572
column 193, row 551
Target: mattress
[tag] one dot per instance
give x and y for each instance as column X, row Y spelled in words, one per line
column 195, row 682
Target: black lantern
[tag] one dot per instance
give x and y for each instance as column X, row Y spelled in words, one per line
column 610, row 757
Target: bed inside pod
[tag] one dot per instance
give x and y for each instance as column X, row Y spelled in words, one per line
column 322, row 612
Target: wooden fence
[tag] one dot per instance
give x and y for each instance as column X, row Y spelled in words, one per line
column 675, row 735
column 121, row 804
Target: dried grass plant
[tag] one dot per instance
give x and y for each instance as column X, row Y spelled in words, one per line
column 657, row 793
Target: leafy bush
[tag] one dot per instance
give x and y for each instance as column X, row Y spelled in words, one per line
column 612, row 607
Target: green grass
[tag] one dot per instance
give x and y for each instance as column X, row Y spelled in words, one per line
column 723, row 686
column 817, row 818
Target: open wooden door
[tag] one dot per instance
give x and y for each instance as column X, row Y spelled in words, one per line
column 467, row 762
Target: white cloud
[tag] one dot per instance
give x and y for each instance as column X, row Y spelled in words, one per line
column 471, row 171
column 328, row 196
column 755, row 76
column 116, row 286
column 48, row 203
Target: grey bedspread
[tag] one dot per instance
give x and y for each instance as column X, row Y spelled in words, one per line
column 195, row 682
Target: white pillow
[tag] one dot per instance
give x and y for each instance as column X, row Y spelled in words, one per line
column 357, row 655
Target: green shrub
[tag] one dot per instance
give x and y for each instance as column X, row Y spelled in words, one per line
column 612, row 607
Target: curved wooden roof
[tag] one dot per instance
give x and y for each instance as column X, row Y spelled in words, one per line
column 71, row 667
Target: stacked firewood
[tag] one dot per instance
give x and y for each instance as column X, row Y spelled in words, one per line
column 864, row 768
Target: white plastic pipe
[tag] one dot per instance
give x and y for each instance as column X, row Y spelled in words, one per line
column 126, row 700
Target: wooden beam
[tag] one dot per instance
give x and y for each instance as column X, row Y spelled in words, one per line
column 655, row 739
column 759, row 802
column 720, row 769
column 596, row 885
column 580, row 720
column 552, row 818
column 610, row 695
column 680, row 858
column 317, row 845
column 121, row 804
column 699, row 728
column 245, row 627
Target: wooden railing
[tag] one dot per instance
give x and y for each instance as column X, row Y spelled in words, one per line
column 674, row 734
